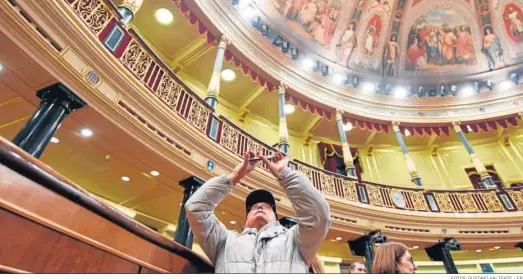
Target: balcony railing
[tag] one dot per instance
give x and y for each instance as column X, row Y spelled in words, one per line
column 133, row 53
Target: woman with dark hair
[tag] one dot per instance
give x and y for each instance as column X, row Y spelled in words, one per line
column 393, row 258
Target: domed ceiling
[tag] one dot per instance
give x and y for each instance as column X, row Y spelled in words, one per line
column 458, row 59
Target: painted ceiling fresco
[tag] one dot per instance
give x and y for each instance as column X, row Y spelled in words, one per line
column 404, row 37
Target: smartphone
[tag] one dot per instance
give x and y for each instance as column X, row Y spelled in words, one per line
column 259, row 159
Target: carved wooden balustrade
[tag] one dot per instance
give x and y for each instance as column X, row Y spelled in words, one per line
column 102, row 19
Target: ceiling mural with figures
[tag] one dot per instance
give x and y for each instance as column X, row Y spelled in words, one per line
column 403, row 38
column 412, row 60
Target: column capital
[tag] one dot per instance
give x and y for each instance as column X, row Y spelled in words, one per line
column 395, row 126
column 224, row 41
column 339, row 114
column 456, row 126
column 282, row 87
column 132, row 5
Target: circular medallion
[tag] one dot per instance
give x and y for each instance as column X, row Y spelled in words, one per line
column 398, row 199
column 210, row 165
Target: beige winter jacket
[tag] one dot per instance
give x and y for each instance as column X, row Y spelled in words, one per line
column 274, row 249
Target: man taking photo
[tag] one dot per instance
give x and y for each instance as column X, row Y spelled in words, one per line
column 264, row 246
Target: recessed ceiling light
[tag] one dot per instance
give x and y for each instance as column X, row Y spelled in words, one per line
column 125, row 178
column 347, row 126
column 86, row 132
column 55, row 140
column 339, row 238
column 478, row 250
column 497, row 247
column 228, row 75
column 308, row 63
column 233, row 222
column 164, row 16
column 289, row 108
column 415, row 247
column 400, row 92
column 155, row 173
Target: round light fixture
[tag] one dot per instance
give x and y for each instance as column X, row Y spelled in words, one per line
column 289, row 108
column 400, row 92
column 339, row 238
column 86, row 132
column 347, row 126
column 497, row 247
column 55, row 140
column 478, row 250
column 415, row 247
column 505, row 85
column 368, row 87
column 233, row 222
column 338, row 78
column 164, row 16
column 308, row 63
column 248, row 12
column 228, row 75
column 126, row 179
column 467, row 91
column 155, row 173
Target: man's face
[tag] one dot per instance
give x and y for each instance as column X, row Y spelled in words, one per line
column 260, row 215
column 359, row 268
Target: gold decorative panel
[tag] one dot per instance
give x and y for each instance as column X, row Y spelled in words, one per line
column 374, row 195
column 229, row 138
column 444, row 202
column 169, row 91
column 492, row 202
column 418, row 201
column 517, row 197
column 198, row 116
column 136, row 59
column 467, row 202
column 327, row 184
column 349, row 190
column 94, row 13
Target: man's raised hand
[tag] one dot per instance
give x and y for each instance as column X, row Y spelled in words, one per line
column 281, row 161
column 243, row 168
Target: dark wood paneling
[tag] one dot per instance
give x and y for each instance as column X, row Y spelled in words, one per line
column 30, row 246
column 53, row 200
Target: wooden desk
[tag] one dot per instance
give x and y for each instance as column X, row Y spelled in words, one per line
column 48, row 224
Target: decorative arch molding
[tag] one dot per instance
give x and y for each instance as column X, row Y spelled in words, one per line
column 463, row 8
